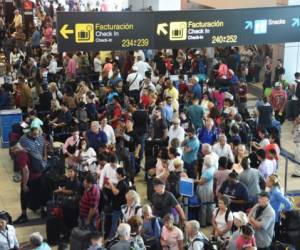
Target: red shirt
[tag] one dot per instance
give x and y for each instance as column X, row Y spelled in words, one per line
column 117, row 114
column 90, row 199
column 242, row 243
column 23, row 161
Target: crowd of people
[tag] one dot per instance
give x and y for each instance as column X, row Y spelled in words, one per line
column 95, row 122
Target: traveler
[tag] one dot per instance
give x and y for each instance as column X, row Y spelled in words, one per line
column 262, row 218
column 171, row 236
column 8, row 238
column 123, row 233
column 163, row 201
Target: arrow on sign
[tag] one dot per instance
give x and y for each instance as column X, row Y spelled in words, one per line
column 248, row 25
column 161, row 29
column 296, row 22
column 65, row 32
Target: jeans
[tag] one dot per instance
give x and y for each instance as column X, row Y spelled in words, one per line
column 190, row 169
column 206, row 214
column 115, row 217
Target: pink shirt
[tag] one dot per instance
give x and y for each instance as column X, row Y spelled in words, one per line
column 171, row 238
column 219, row 97
column 71, row 68
column 242, row 243
column 223, row 71
column 48, row 34
column 220, row 176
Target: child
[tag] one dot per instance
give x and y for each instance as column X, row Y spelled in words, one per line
column 96, row 241
column 246, row 239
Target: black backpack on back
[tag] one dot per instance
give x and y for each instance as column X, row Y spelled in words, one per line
column 207, row 244
column 172, row 184
column 245, row 133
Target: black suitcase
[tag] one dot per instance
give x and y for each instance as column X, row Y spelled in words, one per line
column 80, row 239
column 53, row 226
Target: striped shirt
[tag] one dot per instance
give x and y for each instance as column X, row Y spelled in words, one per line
column 90, row 199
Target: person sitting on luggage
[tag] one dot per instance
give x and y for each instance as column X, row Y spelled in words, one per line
column 195, row 237
column 86, row 158
column 132, row 206
column 31, row 185
column 88, row 206
column 171, row 236
column 37, row 243
column 123, row 234
column 151, row 228
column 136, row 222
column 96, row 241
column 8, row 238
column 71, row 145
column 222, row 219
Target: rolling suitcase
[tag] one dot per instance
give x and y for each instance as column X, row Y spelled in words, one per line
column 80, row 239
column 53, row 225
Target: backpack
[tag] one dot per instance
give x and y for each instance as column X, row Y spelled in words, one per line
column 226, row 214
column 245, row 133
column 207, row 244
column 172, row 184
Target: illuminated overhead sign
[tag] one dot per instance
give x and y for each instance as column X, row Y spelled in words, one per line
column 94, row 31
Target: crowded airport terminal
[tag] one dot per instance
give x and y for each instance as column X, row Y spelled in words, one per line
column 149, row 125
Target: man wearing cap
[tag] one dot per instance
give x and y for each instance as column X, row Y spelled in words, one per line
column 278, row 100
column 8, row 238
column 133, row 83
column 262, row 218
column 176, row 131
column 163, row 201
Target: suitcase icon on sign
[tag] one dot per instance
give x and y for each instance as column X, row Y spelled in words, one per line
column 84, row 33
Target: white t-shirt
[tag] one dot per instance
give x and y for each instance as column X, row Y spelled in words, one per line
column 142, row 67
column 134, row 80
column 221, row 222
column 97, row 65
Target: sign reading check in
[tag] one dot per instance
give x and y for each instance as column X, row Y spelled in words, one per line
column 94, row 31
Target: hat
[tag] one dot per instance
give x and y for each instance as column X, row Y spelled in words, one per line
column 241, row 216
column 277, row 84
column 264, row 194
column 134, row 68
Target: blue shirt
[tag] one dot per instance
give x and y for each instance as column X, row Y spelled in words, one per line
column 196, row 90
column 35, row 39
column 191, row 156
column 96, row 140
column 167, row 113
column 206, row 136
column 279, row 202
column 44, row 246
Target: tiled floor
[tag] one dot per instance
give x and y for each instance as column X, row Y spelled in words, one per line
column 9, row 191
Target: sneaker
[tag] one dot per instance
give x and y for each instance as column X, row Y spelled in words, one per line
column 21, row 219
